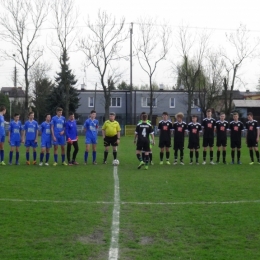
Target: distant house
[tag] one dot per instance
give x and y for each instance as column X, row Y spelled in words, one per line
column 14, row 94
column 248, row 105
column 164, row 100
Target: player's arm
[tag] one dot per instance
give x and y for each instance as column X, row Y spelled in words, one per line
column 52, row 132
column 257, row 138
column 152, row 135
column 23, row 134
column 36, row 134
column 9, row 134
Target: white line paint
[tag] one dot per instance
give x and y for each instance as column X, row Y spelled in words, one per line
column 113, row 251
column 133, row 203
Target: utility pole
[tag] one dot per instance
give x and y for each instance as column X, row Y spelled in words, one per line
column 131, row 74
column 15, row 73
column 95, row 94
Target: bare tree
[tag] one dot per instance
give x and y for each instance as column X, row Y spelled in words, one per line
column 242, row 48
column 65, row 21
column 21, row 21
column 192, row 49
column 102, row 47
column 152, row 47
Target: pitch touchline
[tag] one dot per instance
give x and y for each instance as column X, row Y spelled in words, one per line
column 133, row 203
column 113, row 251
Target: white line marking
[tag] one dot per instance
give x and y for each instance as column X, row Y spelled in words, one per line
column 133, row 203
column 113, row 251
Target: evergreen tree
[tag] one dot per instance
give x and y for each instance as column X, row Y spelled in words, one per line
column 64, row 94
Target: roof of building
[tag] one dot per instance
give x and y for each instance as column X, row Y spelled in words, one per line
column 246, row 103
column 13, row 91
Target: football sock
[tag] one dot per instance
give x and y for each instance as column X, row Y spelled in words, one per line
column 191, row 156
column 27, row 156
column 86, row 156
column 211, row 155
column 41, row 157
column 150, row 156
column 224, row 155
column 114, row 154
column 175, row 154
column 197, row 156
column 34, row 156
column 94, row 155
column 146, row 159
column 161, row 156
column 181, row 155
column 3, row 155
column 56, row 158
column 10, row 156
column 143, row 155
column 17, row 157
column 218, row 155
column 238, row 155
column 233, row 155
column 167, row 156
column 139, row 157
column 47, row 157
column 251, row 155
column 257, row 155
column 63, row 158
column 204, row 155
column 105, row 155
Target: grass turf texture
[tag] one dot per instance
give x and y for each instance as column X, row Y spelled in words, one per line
column 58, row 217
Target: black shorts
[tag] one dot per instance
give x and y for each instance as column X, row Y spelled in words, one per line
column 178, row 145
column 235, row 144
column 164, row 143
column 252, row 143
column 143, row 145
column 208, row 141
column 110, row 140
column 194, row 145
column 221, row 142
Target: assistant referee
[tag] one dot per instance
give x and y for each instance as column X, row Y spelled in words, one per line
column 111, row 135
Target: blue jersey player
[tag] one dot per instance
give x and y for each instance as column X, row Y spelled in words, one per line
column 14, row 138
column 2, row 134
column 58, row 135
column 30, row 132
column 45, row 129
column 91, row 129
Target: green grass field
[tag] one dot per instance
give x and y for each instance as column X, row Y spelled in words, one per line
column 168, row 212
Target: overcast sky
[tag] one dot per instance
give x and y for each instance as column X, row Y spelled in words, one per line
column 219, row 17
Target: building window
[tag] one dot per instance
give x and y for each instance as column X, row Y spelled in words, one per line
column 115, row 102
column 91, row 101
column 195, row 102
column 172, row 102
column 147, row 101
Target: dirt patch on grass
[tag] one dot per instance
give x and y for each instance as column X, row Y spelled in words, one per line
column 146, row 241
column 97, row 237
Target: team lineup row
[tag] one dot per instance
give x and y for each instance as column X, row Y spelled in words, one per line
column 59, row 131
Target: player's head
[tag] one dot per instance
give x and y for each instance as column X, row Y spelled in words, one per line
column 141, row 115
column 112, row 116
column 194, row 118
column 250, row 116
column 16, row 117
column 59, row 111
column 48, row 117
column 93, row 114
column 31, row 115
column 144, row 117
column 179, row 116
column 165, row 116
column 71, row 116
column 2, row 110
column 222, row 116
column 235, row 116
column 209, row 113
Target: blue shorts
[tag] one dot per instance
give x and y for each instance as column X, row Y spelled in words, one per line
column 60, row 140
column 91, row 140
column 31, row 143
column 46, row 144
column 15, row 143
column 2, row 138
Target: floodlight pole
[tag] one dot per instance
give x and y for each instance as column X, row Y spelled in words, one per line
column 131, row 74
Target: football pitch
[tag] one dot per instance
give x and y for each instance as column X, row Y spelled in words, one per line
column 99, row 211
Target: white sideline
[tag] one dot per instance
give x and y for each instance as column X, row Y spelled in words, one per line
column 113, row 251
column 133, row 203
